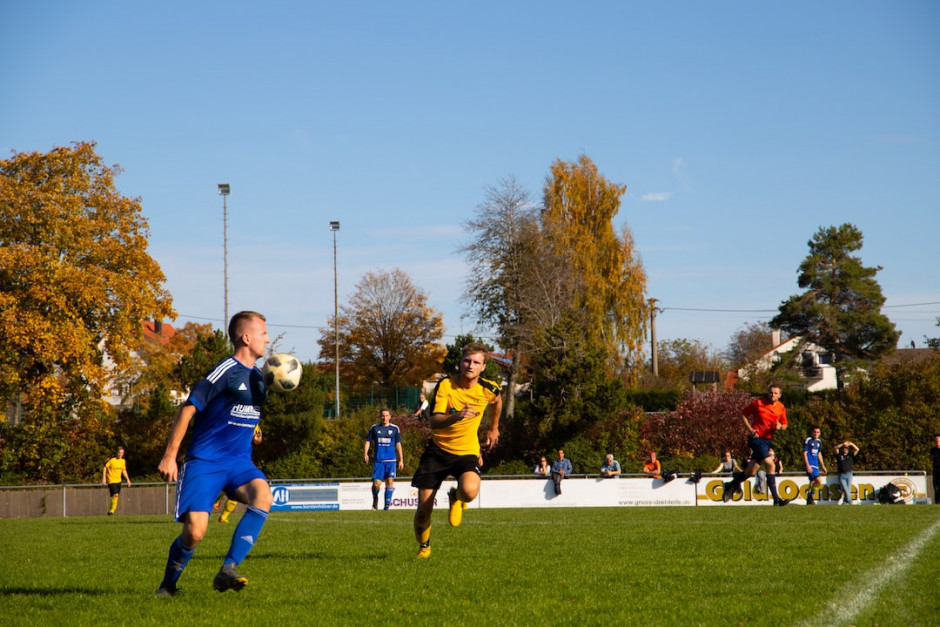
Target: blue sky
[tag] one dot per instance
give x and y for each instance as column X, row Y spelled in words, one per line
column 739, row 128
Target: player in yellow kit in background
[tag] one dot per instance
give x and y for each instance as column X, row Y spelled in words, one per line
column 231, row 504
column 114, row 469
column 454, row 450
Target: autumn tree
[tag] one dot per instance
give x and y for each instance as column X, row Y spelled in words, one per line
column 680, row 357
column 387, row 333
column 577, row 222
column 75, row 282
column 840, row 309
column 704, row 423
column 511, row 284
column 748, row 344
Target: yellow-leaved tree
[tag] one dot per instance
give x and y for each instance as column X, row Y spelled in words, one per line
column 75, row 282
column 387, row 333
column 579, row 208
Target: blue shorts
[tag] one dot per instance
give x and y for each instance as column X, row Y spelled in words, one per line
column 201, row 481
column 383, row 470
column 813, row 473
column 760, row 448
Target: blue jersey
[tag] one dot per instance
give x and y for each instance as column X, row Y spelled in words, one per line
column 384, row 440
column 811, row 447
column 228, row 408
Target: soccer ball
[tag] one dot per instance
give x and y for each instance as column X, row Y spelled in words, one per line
column 282, row 372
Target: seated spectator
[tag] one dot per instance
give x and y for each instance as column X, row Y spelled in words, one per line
column 542, row 468
column 727, row 466
column 652, row 467
column 610, row 468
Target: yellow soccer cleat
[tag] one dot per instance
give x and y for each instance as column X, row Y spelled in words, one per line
column 424, row 552
column 455, row 515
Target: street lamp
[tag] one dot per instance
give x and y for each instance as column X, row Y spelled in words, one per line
column 334, row 226
column 224, row 190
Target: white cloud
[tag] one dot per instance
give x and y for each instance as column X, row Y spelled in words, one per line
column 656, row 196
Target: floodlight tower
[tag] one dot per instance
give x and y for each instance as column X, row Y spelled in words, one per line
column 334, row 226
column 224, row 190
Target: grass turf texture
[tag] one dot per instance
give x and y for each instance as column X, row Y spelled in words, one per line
column 653, row 566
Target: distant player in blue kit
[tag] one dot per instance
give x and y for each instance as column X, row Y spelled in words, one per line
column 813, row 460
column 224, row 409
column 388, row 456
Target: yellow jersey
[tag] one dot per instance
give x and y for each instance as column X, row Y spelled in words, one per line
column 115, row 468
column 462, row 437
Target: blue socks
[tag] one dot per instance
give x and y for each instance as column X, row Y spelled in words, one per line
column 246, row 534
column 175, row 563
column 388, row 497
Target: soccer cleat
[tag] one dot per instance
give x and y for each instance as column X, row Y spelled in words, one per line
column 224, row 521
column 781, row 502
column 228, row 579
column 424, row 551
column 727, row 491
column 166, row 592
column 455, row 515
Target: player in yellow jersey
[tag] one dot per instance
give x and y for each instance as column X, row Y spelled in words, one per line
column 114, row 469
column 456, row 413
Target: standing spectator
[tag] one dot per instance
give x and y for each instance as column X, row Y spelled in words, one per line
column 652, row 467
column 114, row 469
column 424, row 408
column 762, row 418
column 935, row 458
column 611, row 467
column 561, row 468
column 542, row 468
column 814, row 463
column 727, row 466
column 454, row 450
column 845, row 459
column 388, row 455
column 224, row 408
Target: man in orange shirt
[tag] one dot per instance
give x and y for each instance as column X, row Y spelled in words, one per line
column 762, row 418
column 652, row 467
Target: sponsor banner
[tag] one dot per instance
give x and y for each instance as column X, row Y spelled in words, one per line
column 593, row 492
column 865, row 489
column 587, row 492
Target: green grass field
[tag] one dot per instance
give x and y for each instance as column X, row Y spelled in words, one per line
column 601, row 566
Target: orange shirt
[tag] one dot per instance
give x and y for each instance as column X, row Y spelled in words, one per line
column 652, row 467
column 764, row 416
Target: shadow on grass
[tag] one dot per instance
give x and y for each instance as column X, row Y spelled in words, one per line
column 50, row 592
column 309, row 555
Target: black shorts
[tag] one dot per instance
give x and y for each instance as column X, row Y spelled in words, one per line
column 436, row 465
column 114, row 488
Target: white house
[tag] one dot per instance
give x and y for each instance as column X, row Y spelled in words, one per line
column 816, row 364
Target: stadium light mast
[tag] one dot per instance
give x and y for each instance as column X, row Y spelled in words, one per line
column 334, row 226
column 224, row 190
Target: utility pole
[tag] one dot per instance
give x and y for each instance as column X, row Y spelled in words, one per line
column 334, row 226
column 653, row 350
column 224, row 190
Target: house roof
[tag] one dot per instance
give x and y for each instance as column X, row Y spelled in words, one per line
column 157, row 331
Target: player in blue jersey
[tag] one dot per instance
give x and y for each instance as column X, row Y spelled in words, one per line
column 388, row 456
column 224, row 409
column 813, row 460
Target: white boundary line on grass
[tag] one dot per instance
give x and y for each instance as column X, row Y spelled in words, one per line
column 871, row 584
